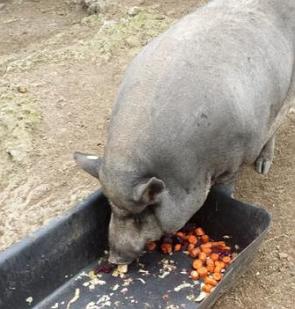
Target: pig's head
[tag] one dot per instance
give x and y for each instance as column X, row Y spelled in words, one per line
column 133, row 203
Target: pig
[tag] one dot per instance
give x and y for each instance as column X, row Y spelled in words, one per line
column 196, row 104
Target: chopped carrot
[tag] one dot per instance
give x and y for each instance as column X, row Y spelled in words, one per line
column 197, row 264
column 217, row 269
column 204, row 239
column 219, row 264
column 207, row 288
column 206, row 245
column 210, row 281
column 226, row 259
column 217, row 276
column 207, row 251
column 177, row 247
column 151, row 245
column 192, row 239
column 214, row 256
column 199, row 231
column 209, row 262
column 181, row 235
column 190, row 247
column 210, row 258
column 202, row 256
column 194, row 275
column 166, row 248
column 195, row 252
column 203, row 272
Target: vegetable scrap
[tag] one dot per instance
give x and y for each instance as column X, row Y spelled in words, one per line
column 123, row 268
column 74, row 299
column 210, row 258
column 29, row 300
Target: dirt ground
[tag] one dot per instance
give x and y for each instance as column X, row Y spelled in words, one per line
column 59, row 71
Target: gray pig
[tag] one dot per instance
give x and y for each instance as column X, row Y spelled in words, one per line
column 198, row 102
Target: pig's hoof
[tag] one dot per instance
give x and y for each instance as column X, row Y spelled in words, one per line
column 263, row 166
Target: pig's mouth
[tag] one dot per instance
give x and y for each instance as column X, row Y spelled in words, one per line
column 121, row 258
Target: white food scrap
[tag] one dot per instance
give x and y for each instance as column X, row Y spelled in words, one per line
column 115, row 287
column 74, row 299
column 124, row 290
column 29, row 300
column 123, row 268
column 120, row 271
column 201, row 296
column 167, row 267
column 104, row 301
column 91, row 305
column 164, row 274
column 92, row 275
column 54, row 306
column 182, row 286
column 127, row 282
column 141, row 280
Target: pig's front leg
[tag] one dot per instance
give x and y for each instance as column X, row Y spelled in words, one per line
column 264, row 160
column 226, row 183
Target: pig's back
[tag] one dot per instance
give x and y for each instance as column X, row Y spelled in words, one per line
column 216, row 79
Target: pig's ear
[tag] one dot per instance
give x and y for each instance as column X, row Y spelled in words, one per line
column 150, row 191
column 89, row 163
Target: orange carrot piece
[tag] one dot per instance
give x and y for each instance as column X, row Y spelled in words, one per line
column 194, row 275
column 204, row 239
column 207, row 288
column 203, row 272
column 192, row 239
column 199, row 231
column 210, row 281
column 197, row 264
column 151, row 245
column 177, row 247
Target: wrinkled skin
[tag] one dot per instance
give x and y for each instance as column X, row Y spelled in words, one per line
column 198, row 102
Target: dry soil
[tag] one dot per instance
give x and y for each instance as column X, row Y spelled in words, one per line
column 59, row 71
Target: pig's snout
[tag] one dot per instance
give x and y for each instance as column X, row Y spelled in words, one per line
column 122, row 254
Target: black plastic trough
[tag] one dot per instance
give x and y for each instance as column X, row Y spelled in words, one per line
column 47, row 270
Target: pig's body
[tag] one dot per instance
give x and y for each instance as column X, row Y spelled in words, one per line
column 198, row 102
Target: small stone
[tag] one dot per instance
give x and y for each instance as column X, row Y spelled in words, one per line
column 22, row 89
column 16, row 154
column 171, row 12
column 155, row 6
column 159, row 17
column 283, row 255
column 133, row 11
column 133, row 41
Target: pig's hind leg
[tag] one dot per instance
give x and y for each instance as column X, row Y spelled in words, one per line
column 264, row 160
